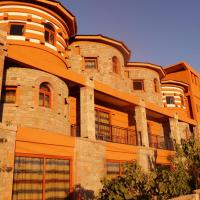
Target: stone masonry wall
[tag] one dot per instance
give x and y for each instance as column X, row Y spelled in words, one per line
column 148, row 75
column 27, row 112
column 7, row 148
column 89, row 164
column 104, row 73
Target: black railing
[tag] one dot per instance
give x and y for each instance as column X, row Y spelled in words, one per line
column 75, row 130
column 110, row 133
column 160, row 142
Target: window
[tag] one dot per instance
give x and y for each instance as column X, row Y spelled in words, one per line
column 16, row 29
column 156, row 85
column 115, row 168
column 49, row 33
column 182, row 100
column 138, row 84
column 91, row 63
column 116, row 65
column 35, row 178
column 102, row 125
column 45, row 95
column 170, row 100
column 9, row 94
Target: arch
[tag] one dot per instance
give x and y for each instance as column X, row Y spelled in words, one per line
column 116, row 64
column 45, row 95
column 156, row 85
column 49, row 33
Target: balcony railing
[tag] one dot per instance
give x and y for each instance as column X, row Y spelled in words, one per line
column 160, row 142
column 116, row 134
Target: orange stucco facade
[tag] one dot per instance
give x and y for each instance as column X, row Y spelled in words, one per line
column 80, row 100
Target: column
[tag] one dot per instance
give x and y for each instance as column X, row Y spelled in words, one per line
column 196, row 130
column 141, row 125
column 2, row 56
column 174, row 128
column 7, row 154
column 87, row 112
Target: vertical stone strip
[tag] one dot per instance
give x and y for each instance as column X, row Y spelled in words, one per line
column 174, row 127
column 87, row 111
column 2, row 56
column 196, row 130
column 7, row 154
column 141, row 124
column 89, row 166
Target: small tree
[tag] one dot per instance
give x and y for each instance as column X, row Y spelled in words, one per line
column 137, row 184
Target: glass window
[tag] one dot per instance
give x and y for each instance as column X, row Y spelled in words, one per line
column 34, row 177
column 45, row 95
column 138, row 84
column 170, row 100
column 16, row 29
column 91, row 63
column 9, row 94
column 102, row 125
column 49, row 34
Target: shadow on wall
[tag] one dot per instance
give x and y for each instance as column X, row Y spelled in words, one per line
column 80, row 193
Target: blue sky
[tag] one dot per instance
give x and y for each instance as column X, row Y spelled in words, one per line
column 159, row 31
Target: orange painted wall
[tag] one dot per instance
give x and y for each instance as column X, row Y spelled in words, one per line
column 72, row 110
column 179, row 76
column 36, row 141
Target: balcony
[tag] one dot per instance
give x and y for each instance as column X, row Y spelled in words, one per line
column 116, row 134
column 160, row 142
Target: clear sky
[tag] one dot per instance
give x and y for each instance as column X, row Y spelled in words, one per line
column 158, row 31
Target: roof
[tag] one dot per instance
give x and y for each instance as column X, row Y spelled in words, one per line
column 154, row 67
column 106, row 40
column 178, row 67
column 177, row 83
column 57, row 8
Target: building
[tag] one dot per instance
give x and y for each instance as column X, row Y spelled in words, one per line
column 74, row 108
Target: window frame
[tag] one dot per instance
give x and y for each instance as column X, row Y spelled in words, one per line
column 45, row 93
column 9, row 88
column 44, row 157
column 141, row 81
column 169, row 102
column 17, row 23
column 50, row 32
column 95, row 59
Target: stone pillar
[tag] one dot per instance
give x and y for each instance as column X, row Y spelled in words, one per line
column 89, row 166
column 87, row 112
column 7, row 154
column 2, row 56
column 145, row 156
column 196, row 130
column 141, row 125
column 174, row 128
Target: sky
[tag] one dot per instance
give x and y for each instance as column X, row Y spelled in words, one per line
column 162, row 32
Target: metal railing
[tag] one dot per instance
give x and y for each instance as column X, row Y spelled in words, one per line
column 116, row 134
column 160, row 142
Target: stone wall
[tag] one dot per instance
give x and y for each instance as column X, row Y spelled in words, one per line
column 89, row 164
column 148, row 75
column 27, row 112
column 104, row 72
column 7, row 148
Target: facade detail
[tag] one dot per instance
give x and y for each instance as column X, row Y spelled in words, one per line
column 74, row 108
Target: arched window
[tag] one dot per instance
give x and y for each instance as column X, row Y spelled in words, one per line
column 49, row 33
column 156, row 85
column 45, row 95
column 116, row 65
